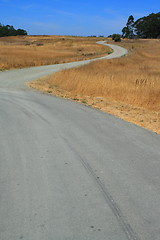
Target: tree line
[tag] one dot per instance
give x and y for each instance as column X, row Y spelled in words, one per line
column 145, row 27
column 7, row 30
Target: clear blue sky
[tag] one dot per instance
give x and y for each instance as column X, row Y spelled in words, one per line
column 68, row 17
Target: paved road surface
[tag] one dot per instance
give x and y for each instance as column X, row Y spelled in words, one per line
column 71, row 172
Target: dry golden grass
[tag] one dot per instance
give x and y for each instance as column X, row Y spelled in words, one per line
column 26, row 51
column 128, row 87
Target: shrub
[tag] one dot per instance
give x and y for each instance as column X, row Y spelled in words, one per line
column 116, row 37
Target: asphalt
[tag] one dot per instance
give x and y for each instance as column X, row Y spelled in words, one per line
column 71, row 172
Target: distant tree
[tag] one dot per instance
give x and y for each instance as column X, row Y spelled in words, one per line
column 116, row 37
column 128, row 31
column 113, row 36
column 10, row 31
column 21, row 32
column 148, row 26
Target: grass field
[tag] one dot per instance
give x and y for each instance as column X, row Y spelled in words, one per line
column 128, row 87
column 26, row 51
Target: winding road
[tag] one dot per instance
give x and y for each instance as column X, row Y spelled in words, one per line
column 69, row 172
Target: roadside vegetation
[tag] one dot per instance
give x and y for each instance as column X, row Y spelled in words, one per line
column 128, row 87
column 147, row 27
column 27, row 51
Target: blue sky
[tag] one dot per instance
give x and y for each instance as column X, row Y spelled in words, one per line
column 84, row 17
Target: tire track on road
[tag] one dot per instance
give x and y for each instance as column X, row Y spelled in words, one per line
column 128, row 230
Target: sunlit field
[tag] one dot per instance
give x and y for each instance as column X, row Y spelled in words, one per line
column 128, row 87
column 26, row 51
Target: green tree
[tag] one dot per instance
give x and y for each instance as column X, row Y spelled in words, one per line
column 21, row 32
column 10, row 31
column 128, row 31
column 148, row 26
column 116, row 37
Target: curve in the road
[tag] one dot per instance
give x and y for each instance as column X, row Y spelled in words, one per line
column 71, row 172
column 16, row 79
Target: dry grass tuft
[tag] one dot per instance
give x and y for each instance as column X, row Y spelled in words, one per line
column 128, row 87
column 26, row 51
